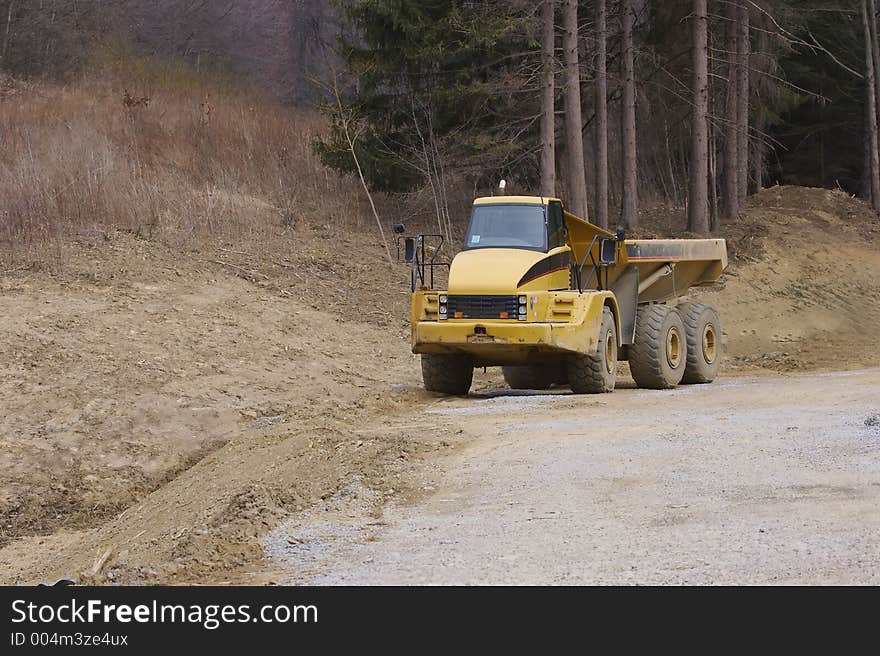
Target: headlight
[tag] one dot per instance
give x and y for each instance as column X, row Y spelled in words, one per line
column 522, row 309
column 442, row 309
column 522, row 301
column 443, row 298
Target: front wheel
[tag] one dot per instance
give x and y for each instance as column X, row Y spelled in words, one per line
column 596, row 373
column 448, row 373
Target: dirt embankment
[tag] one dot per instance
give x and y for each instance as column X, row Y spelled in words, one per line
column 803, row 290
column 162, row 411
column 232, row 386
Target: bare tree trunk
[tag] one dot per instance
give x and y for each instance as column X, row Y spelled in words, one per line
column 6, row 34
column 713, row 135
column 601, row 90
column 684, row 165
column 875, row 51
column 576, row 179
column 698, row 201
column 548, row 116
column 440, row 171
column 661, row 174
column 713, row 180
column 871, row 113
column 428, row 170
column 743, row 100
column 670, row 169
column 357, row 164
column 350, row 138
column 757, row 161
column 730, row 172
column 629, row 216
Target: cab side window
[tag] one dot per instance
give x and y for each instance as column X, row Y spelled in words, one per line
column 555, row 225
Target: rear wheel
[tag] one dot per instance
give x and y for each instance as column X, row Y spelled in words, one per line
column 448, row 373
column 530, row 376
column 702, row 329
column 658, row 355
column 596, row 373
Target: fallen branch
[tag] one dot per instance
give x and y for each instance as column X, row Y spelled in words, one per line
column 283, row 264
column 229, row 250
column 239, row 268
column 100, row 562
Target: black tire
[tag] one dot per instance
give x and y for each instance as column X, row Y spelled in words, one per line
column 702, row 328
column 658, row 356
column 447, row 373
column 529, row 377
column 596, row 373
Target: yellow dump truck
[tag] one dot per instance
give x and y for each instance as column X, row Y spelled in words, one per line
column 553, row 299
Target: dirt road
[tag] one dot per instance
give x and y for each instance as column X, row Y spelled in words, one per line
column 766, row 479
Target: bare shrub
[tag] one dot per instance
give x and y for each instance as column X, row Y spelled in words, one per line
column 160, row 150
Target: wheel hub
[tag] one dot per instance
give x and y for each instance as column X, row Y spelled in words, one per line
column 710, row 343
column 610, row 352
column 673, row 348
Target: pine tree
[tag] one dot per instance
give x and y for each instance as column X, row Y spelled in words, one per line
column 698, row 201
column 629, row 205
column 430, row 82
column 548, row 92
column 871, row 139
column 743, row 99
column 730, row 172
column 576, row 182
column 601, row 101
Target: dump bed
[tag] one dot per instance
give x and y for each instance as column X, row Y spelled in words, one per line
column 659, row 269
column 668, row 267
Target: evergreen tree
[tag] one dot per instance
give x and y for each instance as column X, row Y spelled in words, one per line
column 433, row 81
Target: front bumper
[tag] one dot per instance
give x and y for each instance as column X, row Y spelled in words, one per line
column 503, row 342
column 558, row 323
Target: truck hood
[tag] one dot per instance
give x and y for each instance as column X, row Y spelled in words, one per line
column 491, row 270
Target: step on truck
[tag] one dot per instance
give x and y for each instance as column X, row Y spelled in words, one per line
column 556, row 300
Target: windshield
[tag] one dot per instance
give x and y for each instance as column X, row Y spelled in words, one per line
column 507, row 226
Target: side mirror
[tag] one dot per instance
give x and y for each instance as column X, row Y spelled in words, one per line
column 397, row 228
column 621, row 233
column 608, row 251
column 409, row 249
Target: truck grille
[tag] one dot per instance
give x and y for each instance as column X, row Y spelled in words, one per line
column 482, row 307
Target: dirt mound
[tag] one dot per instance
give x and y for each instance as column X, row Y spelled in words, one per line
column 132, row 364
column 803, row 290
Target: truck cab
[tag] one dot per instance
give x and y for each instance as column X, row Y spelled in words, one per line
column 511, row 244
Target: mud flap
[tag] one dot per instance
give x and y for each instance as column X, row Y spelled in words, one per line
column 626, row 289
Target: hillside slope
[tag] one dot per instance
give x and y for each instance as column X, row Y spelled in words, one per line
column 278, row 43
column 126, row 371
column 804, row 293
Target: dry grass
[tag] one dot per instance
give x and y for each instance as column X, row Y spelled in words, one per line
column 161, row 151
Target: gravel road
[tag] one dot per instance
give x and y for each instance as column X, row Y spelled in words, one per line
column 749, row 480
